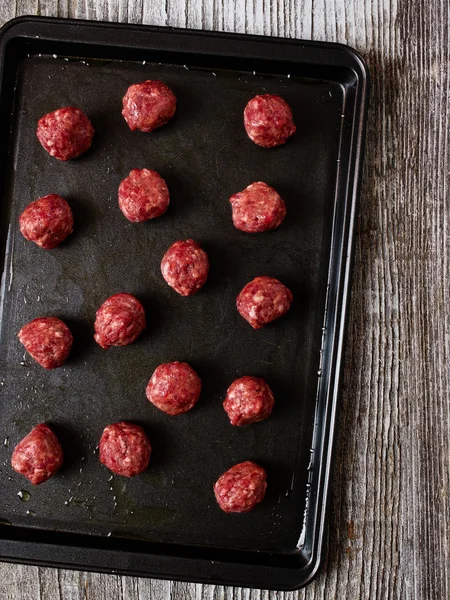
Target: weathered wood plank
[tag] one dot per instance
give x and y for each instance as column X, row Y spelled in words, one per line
column 390, row 521
column 20, row 581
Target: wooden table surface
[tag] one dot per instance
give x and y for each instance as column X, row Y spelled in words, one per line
column 390, row 518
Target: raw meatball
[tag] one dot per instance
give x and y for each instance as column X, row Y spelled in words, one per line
column 39, row 455
column 185, row 267
column 125, row 449
column 119, row 321
column 241, row 488
column 257, row 208
column 47, row 221
column 148, row 105
column 174, row 388
column 48, row 340
column 268, row 120
column 143, row 195
column 263, row 300
column 248, row 400
column 65, row 133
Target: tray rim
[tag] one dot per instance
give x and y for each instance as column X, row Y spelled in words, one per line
column 22, row 544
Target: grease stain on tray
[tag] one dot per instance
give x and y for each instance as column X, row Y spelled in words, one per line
column 24, row 495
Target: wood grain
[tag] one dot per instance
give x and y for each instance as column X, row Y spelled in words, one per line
column 390, row 521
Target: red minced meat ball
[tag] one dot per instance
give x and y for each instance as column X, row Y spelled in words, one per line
column 119, row 321
column 39, row 455
column 248, row 400
column 185, row 267
column 65, row 133
column 48, row 340
column 258, row 208
column 174, row 388
column 143, row 195
column 148, row 105
column 241, row 488
column 47, row 221
column 125, row 449
column 263, row 300
column 268, row 120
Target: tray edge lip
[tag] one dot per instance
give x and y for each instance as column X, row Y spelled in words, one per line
column 357, row 60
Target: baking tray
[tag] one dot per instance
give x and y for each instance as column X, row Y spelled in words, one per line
column 166, row 523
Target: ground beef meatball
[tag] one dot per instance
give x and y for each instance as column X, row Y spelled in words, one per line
column 39, row 455
column 185, row 267
column 125, row 449
column 47, row 221
column 241, row 488
column 257, row 208
column 48, row 340
column 65, row 133
column 143, row 195
column 263, row 300
column 148, row 105
column 248, row 400
column 174, row 388
column 119, row 321
column 268, row 120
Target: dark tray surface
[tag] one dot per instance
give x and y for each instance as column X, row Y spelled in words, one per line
column 205, row 156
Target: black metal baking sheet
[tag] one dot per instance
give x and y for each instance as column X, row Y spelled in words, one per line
column 166, row 523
